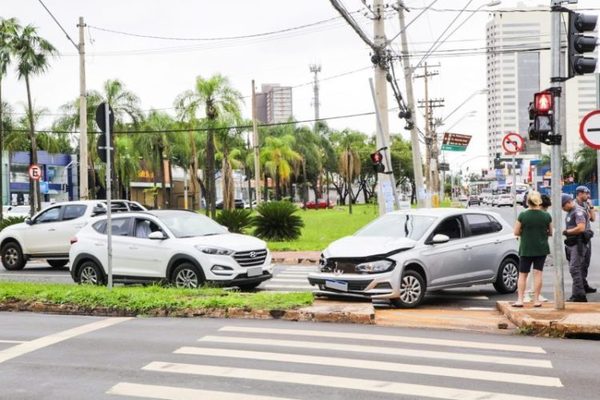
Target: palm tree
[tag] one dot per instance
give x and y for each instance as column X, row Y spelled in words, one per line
column 32, row 53
column 279, row 159
column 229, row 143
column 585, row 164
column 8, row 32
column 128, row 164
column 220, row 100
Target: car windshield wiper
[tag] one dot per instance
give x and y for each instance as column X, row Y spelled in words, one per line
column 212, row 234
column 186, row 236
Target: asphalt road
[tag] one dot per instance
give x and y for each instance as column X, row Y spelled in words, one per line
column 76, row 357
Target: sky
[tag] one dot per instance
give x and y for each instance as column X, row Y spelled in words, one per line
column 157, row 70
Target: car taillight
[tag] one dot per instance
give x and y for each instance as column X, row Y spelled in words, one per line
column 73, row 240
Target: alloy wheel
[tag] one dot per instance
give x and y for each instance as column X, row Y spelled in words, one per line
column 410, row 289
column 88, row 275
column 187, row 279
column 510, row 275
column 11, row 256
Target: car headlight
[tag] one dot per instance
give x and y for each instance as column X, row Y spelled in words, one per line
column 373, row 267
column 215, row 251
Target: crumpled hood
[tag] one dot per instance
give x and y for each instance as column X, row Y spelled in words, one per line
column 364, row 246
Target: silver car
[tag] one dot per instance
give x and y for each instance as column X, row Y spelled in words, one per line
column 403, row 254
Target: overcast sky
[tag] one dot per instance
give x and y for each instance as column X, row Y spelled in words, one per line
column 158, row 70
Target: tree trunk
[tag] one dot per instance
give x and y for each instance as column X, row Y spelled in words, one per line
column 228, row 203
column 277, row 186
column 349, row 172
column 1, row 151
column 210, row 172
column 163, row 180
column 171, row 200
column 34, row 188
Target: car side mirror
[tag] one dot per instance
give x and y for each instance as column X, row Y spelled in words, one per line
column 440, row 238
column 28, row 221
column 158, row 235
column 98, row 210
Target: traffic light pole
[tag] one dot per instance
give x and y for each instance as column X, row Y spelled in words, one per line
column 557, row 246
column 108, row 195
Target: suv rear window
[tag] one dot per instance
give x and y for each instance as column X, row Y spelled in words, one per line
column 73, row 211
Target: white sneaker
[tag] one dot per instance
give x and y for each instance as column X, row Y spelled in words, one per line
column 542, row 299
column 527, row 298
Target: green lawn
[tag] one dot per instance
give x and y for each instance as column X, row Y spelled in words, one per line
column 322, row 227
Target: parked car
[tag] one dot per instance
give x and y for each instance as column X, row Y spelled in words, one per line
column 473, row 200
column 321, row 203
column 505, row 200
column 239, row 203
column 494, row 201
column 402, row 255
column 17, row 211
column 47, row 234
column 180, row 247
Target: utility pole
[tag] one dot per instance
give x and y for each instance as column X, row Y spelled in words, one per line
column 410, row 105
column 256, row 148
column 315, row 69
column 83, row 150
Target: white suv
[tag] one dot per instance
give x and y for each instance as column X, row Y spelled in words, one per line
column 181, row 247
column 47, row 234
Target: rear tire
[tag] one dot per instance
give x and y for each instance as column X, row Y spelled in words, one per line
column 12, row 257
column 57, row 263
column 90, row 273
column 187, row 276
column 412, row 290
column 507, row 277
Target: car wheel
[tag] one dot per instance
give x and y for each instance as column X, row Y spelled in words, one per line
column 508, row 275
column 187, row 276
column 12, row 257
column 57, row 263
column 412, row 290
column 90, row 273
column 249, row 286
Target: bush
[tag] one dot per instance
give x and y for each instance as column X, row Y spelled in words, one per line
column 237, row 220
column 276, row 221
column 10, row 221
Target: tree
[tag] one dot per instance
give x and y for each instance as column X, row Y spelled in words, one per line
column 220, row 100
column 8, row 32
column 32, row 53
column 279, row 158
column 585, row 164
column 230, row 144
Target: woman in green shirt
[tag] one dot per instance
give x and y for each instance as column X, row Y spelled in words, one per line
column 533, row 226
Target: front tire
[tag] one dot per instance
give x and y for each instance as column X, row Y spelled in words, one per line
column 90, row 273
column 187, row 276
column 57, row 263
column 507, row 277
column 412, row 290
column 12, row 257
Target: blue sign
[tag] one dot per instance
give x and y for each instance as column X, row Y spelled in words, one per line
column 44, row 187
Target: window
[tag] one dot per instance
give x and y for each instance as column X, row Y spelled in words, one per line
column 144, row 227
column 451, row 227
column 50, row 215
column 120, row 226
column 135, row 207
column 73, row 211
column 100, row 226
column 481, row 224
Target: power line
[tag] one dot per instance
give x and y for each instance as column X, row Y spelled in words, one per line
column 413, row 20
column 496, row 10
column 59, row 25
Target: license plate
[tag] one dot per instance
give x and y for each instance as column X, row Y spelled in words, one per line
column 254, row 271
column 341, row 286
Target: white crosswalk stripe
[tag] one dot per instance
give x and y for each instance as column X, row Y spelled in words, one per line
column 258, row 355
column 289, row 279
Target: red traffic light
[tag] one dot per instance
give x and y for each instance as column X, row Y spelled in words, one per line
column 543, row 102
column 376, row 157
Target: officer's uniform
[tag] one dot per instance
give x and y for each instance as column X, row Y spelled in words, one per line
column 576, row 251
column 588, row 254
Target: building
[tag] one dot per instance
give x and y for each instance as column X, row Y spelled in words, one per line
column 274, row 103
column 518, row 65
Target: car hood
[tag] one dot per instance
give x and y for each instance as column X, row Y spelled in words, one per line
column 365, row 246
column 21, row 226
column 231, row 241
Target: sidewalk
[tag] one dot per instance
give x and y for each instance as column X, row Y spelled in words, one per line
column 296, row 257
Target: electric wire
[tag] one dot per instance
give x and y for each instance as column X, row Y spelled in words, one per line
column 59, row 25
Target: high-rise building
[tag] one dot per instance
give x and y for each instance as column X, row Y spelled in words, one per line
column 274, row 103
column 518, row 65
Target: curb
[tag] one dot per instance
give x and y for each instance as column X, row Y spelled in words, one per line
column 314, row 313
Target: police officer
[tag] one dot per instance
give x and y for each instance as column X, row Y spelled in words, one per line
column 575, row 224
column 582, row 198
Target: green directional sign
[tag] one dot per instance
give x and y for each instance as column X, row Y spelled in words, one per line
column 453, row 147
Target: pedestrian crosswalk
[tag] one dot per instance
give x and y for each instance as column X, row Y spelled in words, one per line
column 292, row 279
column 266, row 363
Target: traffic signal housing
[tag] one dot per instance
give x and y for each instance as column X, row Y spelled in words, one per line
column 541, row 118
column 579, row 43
column 377, row 160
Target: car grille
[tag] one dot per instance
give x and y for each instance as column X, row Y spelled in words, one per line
column 251, row 258
column 353, row 286
column 339, row 266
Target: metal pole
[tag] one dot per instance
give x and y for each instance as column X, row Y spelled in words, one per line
column 381, row 103
column 108, row 195
column 185, row 189
column 83, row 150
column 559, row 284
column 410, row 100
column 256, row 149
column 513, row 191
column 598, row 151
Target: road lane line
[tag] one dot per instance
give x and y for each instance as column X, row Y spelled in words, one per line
column 12, row 341
column 404, row 352
column 286, row 287
column 283, row 280
column 376, row 365
column 176, row 393
column 406, row 389
column 39, row 343
column 385, row 338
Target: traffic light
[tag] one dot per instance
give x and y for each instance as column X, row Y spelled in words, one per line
column 541, row 119
column 377, row 160
column 498, row 164
column 101, row 121
column 579, row 44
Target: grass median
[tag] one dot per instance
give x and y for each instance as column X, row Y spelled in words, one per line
column 147, row 300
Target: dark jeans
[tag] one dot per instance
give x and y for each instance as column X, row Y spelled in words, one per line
column 576, row 269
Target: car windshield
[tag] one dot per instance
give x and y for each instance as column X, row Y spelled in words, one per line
column 398, row 225
column 185, row 224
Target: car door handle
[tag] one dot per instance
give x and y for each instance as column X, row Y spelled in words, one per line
column 467, row 247
column 133, row 247
column 497, row 241
column 51, row 230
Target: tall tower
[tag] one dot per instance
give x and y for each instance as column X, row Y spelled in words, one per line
column 315, row 69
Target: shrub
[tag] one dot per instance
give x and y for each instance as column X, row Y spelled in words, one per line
column 237, row 220
column 10, row 221
column 276, row 221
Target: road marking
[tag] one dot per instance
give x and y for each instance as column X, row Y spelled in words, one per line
column 286, row 280
column 286, row 287
column 404, row 352
column 175, row 393
column 369, row 385
column 286, row 275
column 385, row 338
column 36, row 344
column 459, row 297
column 478, row 308
column 12, row 341
column 376, row 365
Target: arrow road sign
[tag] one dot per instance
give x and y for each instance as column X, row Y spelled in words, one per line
column 512, row 143
column 589, row 129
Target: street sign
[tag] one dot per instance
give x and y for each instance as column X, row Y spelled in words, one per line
column 101, row 117
column 444, row 166
column 589, row 129
column 455, row 141
column 101, row 121
column 512, row 143
column 35, row 172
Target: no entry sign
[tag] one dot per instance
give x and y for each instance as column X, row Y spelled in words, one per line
column 35, row 172
column 589, row 129
column 512, row 143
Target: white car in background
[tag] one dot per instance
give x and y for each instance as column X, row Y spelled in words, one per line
column 47, row 234
column 183, row 248
column 505, row 200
